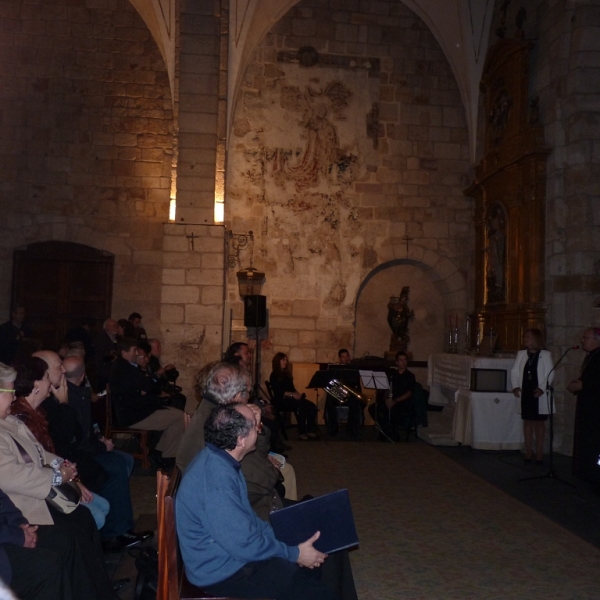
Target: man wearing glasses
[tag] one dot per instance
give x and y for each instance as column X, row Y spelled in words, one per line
column 230, row 383
column 586, row 439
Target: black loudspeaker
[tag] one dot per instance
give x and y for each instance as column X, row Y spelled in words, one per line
column 255, row 311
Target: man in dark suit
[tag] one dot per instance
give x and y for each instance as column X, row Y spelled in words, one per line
column 586, row 440
column 32, row 573
column 11, row 334
column 138, row 407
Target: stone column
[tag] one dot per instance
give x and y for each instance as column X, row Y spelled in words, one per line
column 193, row 250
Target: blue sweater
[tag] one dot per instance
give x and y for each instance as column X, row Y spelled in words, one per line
column 218, row 530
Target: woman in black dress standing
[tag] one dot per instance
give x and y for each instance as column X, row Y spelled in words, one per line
column 529, row 376
column 286, row 398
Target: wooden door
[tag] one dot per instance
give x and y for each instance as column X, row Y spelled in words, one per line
column 58, row 283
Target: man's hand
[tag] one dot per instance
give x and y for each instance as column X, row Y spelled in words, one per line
column 61, row 393
column 309, row 557
column 164, row 369
column 537, row 392
column 517, row 392
column 86, row 495
column 267, row 411
column 108, row 443
column 274, row 462
column 575, row 386
column 257, row 413
column 30, row 535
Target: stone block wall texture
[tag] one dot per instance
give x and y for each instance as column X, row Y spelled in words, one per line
column 85, row 140
column 200, row 49
column 565, row 71
column 192, row 299
column 332, row 165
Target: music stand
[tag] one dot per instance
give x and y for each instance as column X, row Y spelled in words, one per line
column 376, row 380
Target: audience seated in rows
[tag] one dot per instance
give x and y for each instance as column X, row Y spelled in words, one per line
column 137, row 406
column 226, row 384
column 226, row 548
column 104, row 470
column 28, row 472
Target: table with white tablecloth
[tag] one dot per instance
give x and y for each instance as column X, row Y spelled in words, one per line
column 448, row 373
column 487, row 421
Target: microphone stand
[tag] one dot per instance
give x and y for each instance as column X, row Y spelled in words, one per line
column 551, row 474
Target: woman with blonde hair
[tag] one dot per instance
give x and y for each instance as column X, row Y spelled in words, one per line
column 529, row 377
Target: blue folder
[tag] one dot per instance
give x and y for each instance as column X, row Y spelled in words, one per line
column 330, row 514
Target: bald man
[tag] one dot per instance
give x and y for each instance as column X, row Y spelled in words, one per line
column 56, row 374
column 102, row 469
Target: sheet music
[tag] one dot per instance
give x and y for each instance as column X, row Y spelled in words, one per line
column 374, row 380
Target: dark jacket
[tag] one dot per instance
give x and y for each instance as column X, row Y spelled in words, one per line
column 10, row 532
column 281, row 383
column 260, row 475
column 127, row 382
column 68, row 437
column 10, row 339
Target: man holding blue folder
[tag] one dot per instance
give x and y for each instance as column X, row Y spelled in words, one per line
column 226, row 548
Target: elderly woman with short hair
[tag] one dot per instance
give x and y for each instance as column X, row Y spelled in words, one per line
column 28, row 472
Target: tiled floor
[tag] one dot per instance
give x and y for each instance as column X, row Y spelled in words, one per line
column 436, row 521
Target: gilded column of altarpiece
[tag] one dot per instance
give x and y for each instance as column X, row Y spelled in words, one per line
column 510, row 191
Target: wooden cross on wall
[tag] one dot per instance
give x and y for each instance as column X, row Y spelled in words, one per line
column 407, row 239
column 192, row 237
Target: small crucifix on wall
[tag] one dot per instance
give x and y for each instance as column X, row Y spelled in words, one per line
column 407, row 239
column 192, row 237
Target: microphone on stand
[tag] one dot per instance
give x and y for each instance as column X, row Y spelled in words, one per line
column 550, row 399
column 558, row 363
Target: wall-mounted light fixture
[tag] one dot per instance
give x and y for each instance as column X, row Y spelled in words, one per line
column 250, row 281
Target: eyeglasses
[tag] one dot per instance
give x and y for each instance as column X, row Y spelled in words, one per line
column 8, row 391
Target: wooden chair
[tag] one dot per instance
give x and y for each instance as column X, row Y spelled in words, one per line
column 140, row 434
column 280, row 415
column 172, row 581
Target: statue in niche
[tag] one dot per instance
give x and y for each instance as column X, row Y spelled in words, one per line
column 496, row 254
column 399, row 318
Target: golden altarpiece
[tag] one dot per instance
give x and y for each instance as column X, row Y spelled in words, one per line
column 510, row 191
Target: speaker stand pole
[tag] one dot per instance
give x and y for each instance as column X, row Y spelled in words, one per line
column 257, row 365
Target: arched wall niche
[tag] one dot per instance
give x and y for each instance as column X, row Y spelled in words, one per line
column 434, row 294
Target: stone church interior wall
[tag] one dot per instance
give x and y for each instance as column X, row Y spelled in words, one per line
column 565, row 69
column 333, row 166
column 86, row 140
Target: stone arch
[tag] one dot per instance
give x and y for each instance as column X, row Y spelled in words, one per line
column 438, row 289
column 447, row 277
column 446, row 25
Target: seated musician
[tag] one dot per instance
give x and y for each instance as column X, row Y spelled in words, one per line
column 287, row 398
column 392, row 409
column 355, row 407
